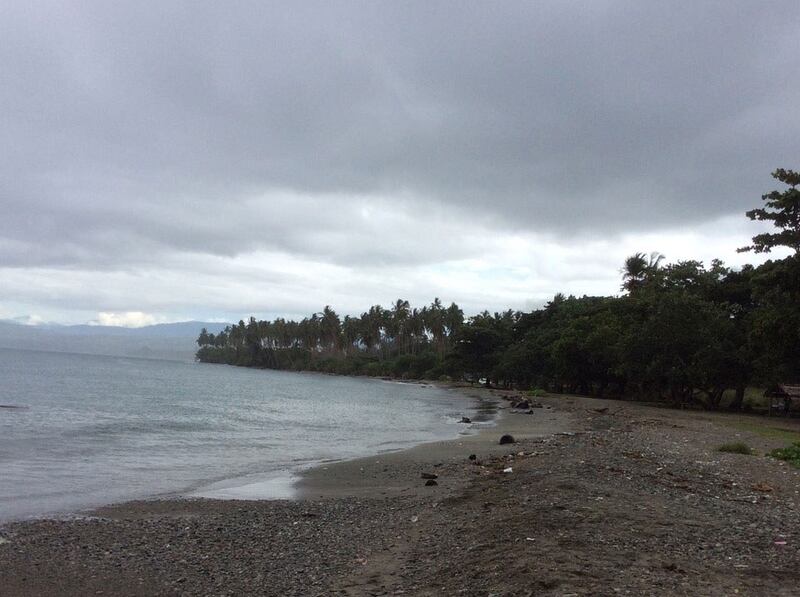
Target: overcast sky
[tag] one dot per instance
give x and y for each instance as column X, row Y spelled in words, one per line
column 208, row 160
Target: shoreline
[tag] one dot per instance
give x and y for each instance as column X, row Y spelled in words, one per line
column 398, row 472
column 322, row 477
column 275, row 484
column 606, row 497
column 385, row 473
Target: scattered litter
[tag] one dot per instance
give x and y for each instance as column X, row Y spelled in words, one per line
column 529, row 539
column 508, row 470
column 414, row 518
column 763, row 487
column 3, row 541
column 780, row 543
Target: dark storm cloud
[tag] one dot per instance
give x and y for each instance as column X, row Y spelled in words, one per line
column 132, row 131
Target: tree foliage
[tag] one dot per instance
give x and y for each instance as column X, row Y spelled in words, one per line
column 783, row 210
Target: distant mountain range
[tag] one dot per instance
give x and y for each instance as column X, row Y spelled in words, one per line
column 172, row 341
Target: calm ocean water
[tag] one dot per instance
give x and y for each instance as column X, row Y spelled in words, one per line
column 91, row 430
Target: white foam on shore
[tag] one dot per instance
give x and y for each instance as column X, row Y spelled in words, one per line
column 251, row 487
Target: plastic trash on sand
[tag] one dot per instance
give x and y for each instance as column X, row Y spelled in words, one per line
column 508, row 470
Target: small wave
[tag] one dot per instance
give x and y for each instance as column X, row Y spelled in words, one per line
column 143, row 427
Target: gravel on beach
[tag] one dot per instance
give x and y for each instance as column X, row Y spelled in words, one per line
column 602, row 498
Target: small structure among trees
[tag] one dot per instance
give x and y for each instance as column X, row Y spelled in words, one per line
column 781, row 396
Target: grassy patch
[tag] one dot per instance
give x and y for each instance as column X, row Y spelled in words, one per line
column 736, row 448
column 764, row 430
column 790, row 454
column 536, row 393
column 753, row 398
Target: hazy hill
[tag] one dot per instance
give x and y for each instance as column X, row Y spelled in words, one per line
column 174, row 341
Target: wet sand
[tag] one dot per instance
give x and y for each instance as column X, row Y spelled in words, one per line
column 398, row 473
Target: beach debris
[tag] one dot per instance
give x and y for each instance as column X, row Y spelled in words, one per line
column 521, row 405
column 602, row 411
column 507, row 439
column 414, row 518
column 781, row 542
column 472, row 457
column 529, row 539
column 763, row 487
column 3, row 541
column 466, row 420
column 430, row 483
column 429, row 476
column 508, row 470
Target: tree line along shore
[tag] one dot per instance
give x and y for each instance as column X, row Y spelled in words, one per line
column 683, row 333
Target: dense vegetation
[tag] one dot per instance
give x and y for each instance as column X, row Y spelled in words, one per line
column 680, row 332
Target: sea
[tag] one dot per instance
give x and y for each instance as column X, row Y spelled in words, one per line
column 79, row 431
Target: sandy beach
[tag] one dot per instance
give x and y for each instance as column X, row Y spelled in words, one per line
column 602, row 498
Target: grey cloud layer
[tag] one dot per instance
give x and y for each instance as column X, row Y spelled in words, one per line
column 133, row 131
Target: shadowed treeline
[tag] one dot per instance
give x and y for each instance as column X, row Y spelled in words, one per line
column 681, row 332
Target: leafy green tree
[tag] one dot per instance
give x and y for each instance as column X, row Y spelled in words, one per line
column 775, row 321
column 783, row 210
column 477, row 350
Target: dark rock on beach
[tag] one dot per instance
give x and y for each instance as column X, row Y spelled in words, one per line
column 506, row 439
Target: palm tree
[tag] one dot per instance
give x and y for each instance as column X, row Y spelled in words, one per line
column 640, row 269
column 453, row 320
column 399, row 320
column 372, row 327
column 435, row 323
column 308, row 330
column 416, row 327
column 351, row 330
column 329, row 328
